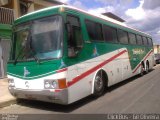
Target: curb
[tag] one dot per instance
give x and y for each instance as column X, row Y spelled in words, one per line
column 7, row 103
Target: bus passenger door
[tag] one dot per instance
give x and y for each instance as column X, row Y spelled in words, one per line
column 74, row 36
column 75, row 43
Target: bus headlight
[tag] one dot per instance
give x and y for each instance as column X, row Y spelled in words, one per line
column 11, row 83
column 46, row 84
column 54, row 84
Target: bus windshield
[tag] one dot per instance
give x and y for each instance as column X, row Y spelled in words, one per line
column 41, row 39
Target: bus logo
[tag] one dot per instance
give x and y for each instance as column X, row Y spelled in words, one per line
column 27, row 84
column 26, row 72
column 138, row 51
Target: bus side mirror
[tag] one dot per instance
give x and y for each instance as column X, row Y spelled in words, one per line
column 72, row 52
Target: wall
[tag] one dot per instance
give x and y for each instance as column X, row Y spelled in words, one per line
column 6, row 19
column 5, row 40
column 36, row 5
column 156, row 49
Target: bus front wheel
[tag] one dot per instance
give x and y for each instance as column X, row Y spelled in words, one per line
column 99, row 84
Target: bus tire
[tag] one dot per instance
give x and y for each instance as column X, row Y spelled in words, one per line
column 19, row 100
column 99, row 84
column 147, row 67
column 142, row 69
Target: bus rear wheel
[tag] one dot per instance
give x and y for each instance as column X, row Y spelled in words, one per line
column 147, row 68
column 142, row 70
column 99, row 85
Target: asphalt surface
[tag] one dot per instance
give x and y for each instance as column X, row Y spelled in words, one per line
column 135, row 95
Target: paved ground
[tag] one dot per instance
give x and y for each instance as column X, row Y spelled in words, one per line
column 5, row 97
column 136, row 95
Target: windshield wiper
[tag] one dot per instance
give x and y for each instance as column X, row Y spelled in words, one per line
column 21, row 51
column 36, row 58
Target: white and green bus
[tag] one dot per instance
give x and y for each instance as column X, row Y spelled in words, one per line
column 62, row 54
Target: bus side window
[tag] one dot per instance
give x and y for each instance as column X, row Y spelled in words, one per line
column 75, row 42
column 150, row 43
column 132, row 39
column 145, row 41
column 94, row 30
column 123, row 36
column 110, row 34
column 139, row 40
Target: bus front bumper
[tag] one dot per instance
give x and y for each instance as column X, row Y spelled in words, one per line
column 48, row 95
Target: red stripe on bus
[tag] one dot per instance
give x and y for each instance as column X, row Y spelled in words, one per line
column 148, row 54
column 57, row 90
column 83, row 75
column 136, row 68
column 61, row 70
column 144, row 60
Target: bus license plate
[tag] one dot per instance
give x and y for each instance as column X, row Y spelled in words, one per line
column 30, row 97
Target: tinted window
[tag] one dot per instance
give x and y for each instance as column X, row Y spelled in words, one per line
column 110, row 34
column 123, row 37
column 74, row 21
column 139, row 40
column 145, row 41
column 75, row 39
column 132, row 39
column 150, row 42
column 94, row 30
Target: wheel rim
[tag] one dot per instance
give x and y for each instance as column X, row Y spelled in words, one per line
column 147, row 68
column 98, row 83
column 142, row 69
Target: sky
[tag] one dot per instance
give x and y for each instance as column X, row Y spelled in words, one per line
column 143, row 15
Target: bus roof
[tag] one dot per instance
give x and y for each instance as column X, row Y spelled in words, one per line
column 47, row 10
